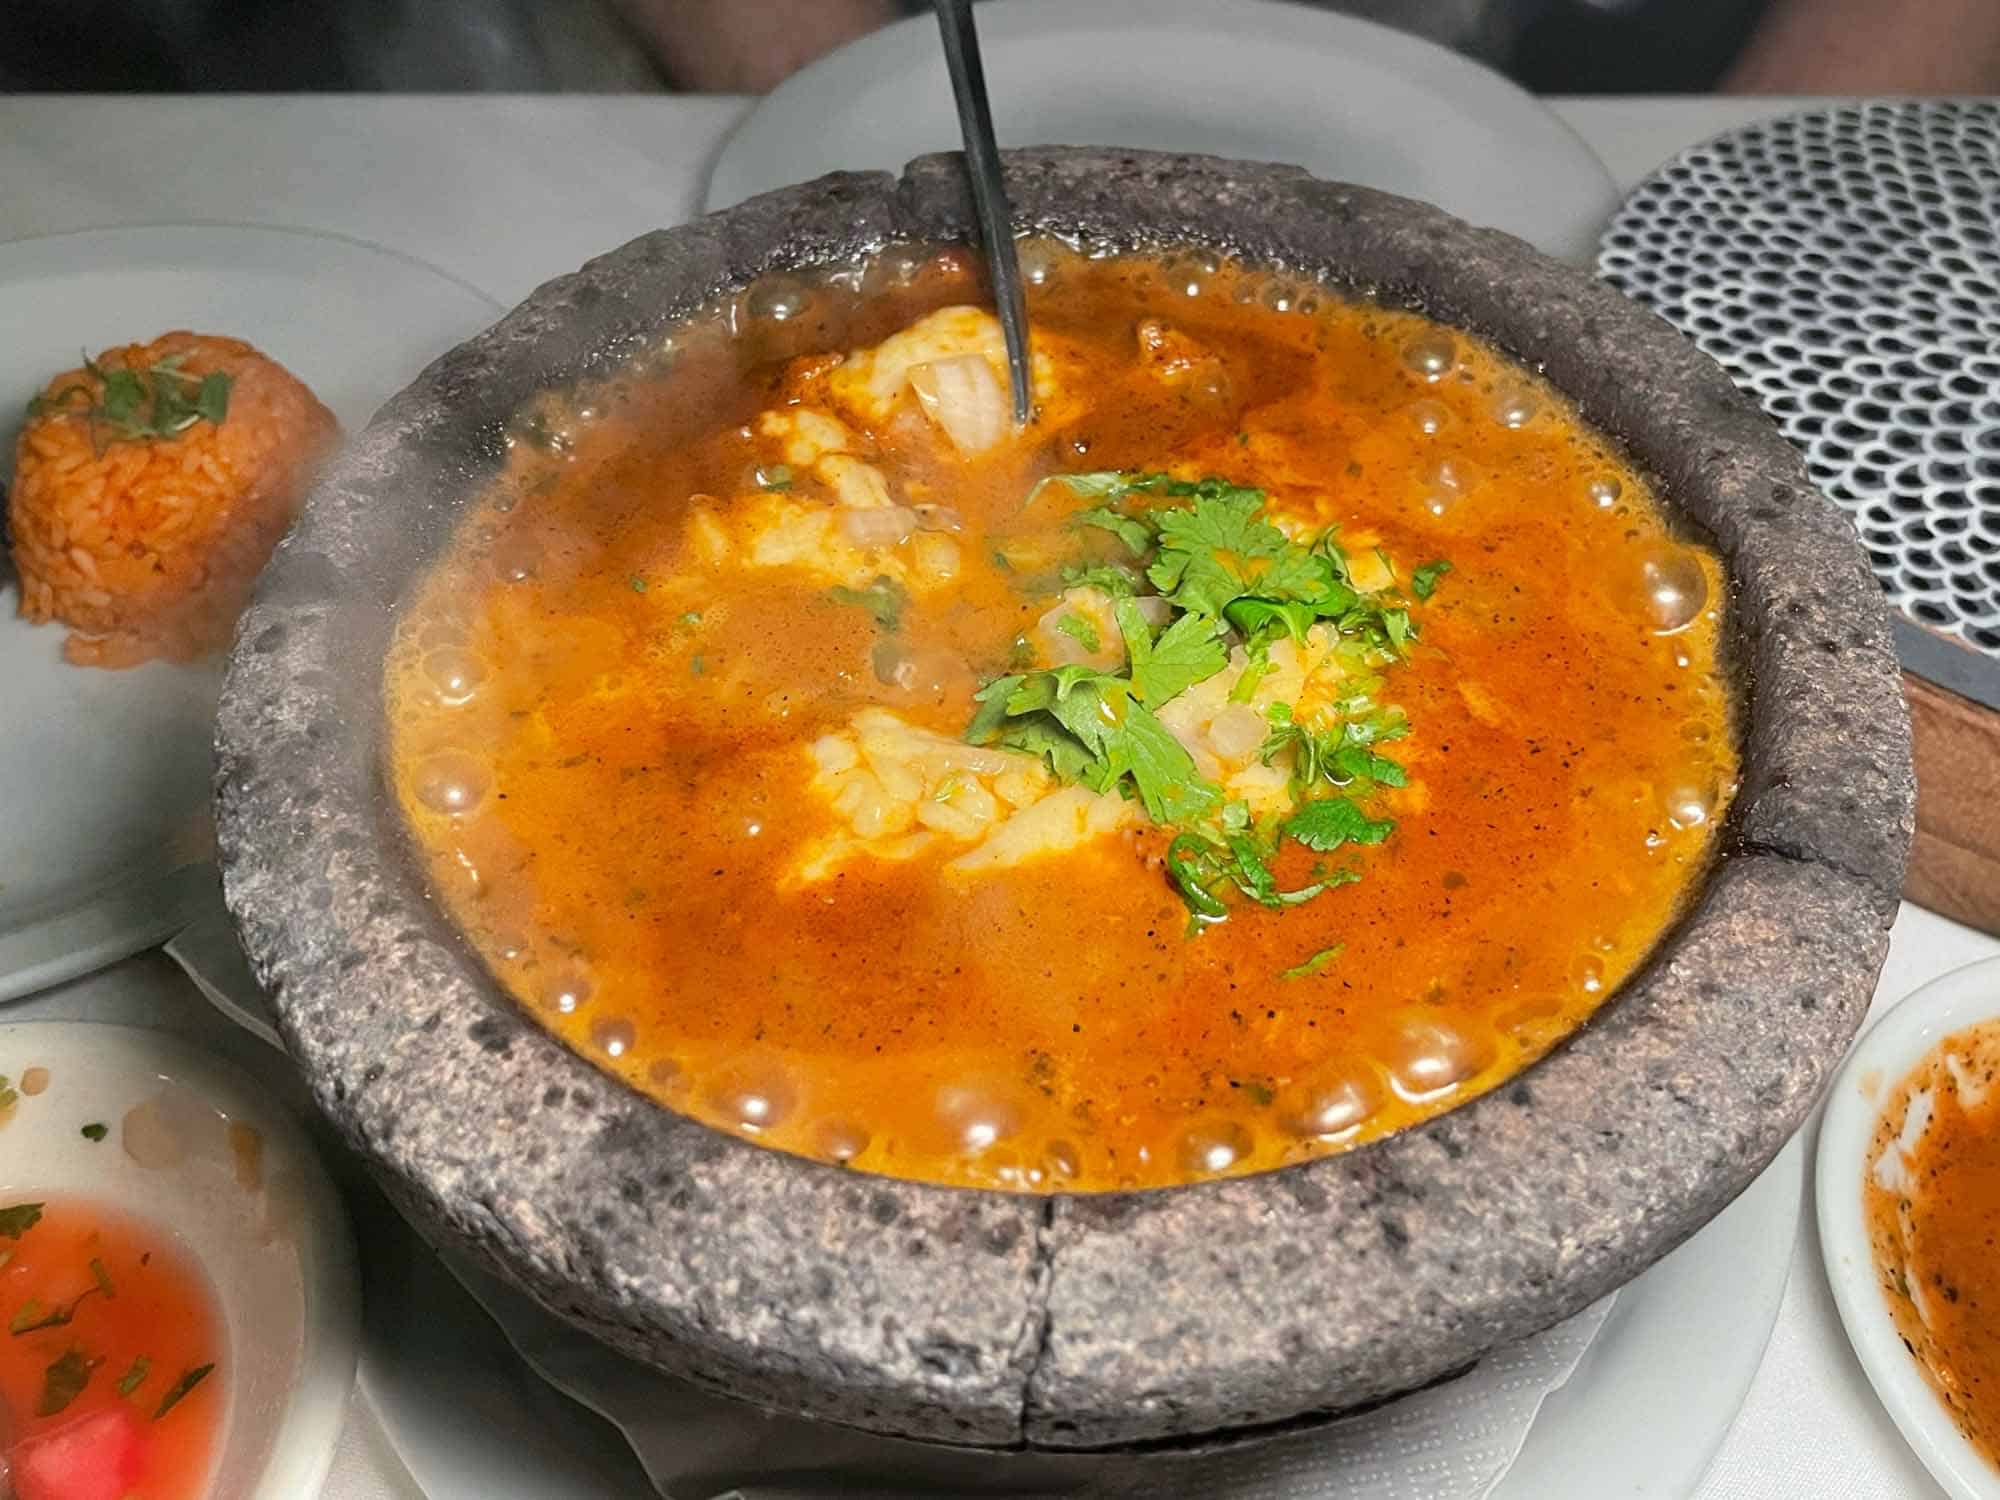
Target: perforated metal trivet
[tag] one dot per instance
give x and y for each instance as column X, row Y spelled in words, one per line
column 1844, row 265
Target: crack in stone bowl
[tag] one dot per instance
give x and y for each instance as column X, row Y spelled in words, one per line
column 1074, row 1322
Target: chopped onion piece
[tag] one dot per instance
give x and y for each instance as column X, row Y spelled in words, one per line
column 879, row 526
column 1236, row 732
column 963, row 396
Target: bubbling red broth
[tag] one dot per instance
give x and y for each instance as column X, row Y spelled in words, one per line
column 1300, row 726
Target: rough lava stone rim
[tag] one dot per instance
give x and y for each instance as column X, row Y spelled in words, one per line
column 1086, row 1322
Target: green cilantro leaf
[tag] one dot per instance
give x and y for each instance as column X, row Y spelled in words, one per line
column 180, row 1388
column 992, row 711
column 1053, row 688
column 1396, row 625
column 1188, row 651
column 36, row 1315
column 1115, row 580
column 211, row 404
column 1424, row 582
column 33, row 1314
column 161, row 401
column 1082, row 631
column 1091, row 485
column 18, row 1220
column 1191, row 866
column 1223, row 518
column 1054, row 744
column 1315, row 963
column 1368, row 725
column 1356, row 763
column 1297, row 573
column 884, row 599
column 135, row 1377
column 1135, row 534
column 1227, row 575
column 64, row 1381
column 1170, row 787
column 1270, row 618
column 1332, row 821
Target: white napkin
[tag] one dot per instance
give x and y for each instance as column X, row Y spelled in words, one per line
column 364, row 1466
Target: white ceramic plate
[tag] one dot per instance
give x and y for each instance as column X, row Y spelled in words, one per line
column 104, row 775
column 277, row 1254
column 1896, row 1045
column 1253, row 79
column 1641, row 1417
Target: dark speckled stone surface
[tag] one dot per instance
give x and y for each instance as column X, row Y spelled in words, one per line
column 1085, row 1322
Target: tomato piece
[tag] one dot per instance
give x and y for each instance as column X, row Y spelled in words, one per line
column 98, row 1457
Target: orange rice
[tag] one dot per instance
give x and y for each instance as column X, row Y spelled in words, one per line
column 148, row 547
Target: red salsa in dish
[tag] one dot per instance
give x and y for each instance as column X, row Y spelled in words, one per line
column 110, row 1386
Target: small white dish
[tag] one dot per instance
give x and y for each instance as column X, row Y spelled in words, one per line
column 1346, row 99
column 1886, row 1055
column 274, row 1243
column 104, row 775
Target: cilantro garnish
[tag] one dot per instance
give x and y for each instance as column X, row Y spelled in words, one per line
column 1188, row 651
column 1086, row 486
column 1114, row 579
column 1329, row 822
column 180, row 1388
column 96, row 1130
column 64, row 1381
column 1424, row 582
column 1136, row 535
column 135, row 1376
column 1090, row 728
column 1311, row 965
column 1231, row 579
column 36, row 1315
column 160, row 401
column 18, row 1220
column 1080, row 630
column 884, row 599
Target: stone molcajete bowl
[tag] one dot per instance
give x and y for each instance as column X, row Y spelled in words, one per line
column 1073, row 1322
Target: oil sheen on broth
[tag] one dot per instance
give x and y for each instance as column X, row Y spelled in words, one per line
column 679, row 722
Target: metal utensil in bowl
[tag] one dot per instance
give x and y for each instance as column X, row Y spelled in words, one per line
column 989, row 191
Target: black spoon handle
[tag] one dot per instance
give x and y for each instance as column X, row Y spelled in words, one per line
column 989, row 192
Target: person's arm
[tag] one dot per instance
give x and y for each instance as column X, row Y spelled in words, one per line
column 1872, row 47
column 747, row 46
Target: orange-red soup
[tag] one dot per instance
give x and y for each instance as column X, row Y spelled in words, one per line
column 107, row 1317
column 1932, row 1202
column 681, row 765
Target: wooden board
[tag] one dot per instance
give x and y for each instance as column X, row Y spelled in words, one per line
column 1955, row 861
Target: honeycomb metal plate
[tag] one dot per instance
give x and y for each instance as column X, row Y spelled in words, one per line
column 1844, row 266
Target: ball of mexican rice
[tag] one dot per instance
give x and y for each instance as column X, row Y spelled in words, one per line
column 150, row 487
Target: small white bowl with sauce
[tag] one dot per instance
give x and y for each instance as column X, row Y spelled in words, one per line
column 1897, row 1045
column 192, row 1146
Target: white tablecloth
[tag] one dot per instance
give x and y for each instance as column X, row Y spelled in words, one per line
column 507, row 192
